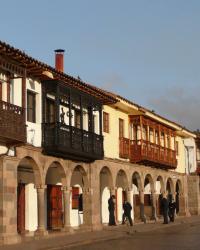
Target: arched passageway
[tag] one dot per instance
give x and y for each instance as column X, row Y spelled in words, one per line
column 136, row 187
column 160, row 189
column 54, row 204
column 28, row 177
column 149, row 206
column 79, row 198
column 169, row 189
column 106, row 184
column 121, row 193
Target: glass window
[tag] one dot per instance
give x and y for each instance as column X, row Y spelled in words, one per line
column 31, row 101
column 105, row 122
column 50, row 115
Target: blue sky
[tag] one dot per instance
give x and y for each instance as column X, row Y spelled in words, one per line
column 145, row 50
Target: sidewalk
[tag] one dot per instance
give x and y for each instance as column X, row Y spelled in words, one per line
column 54, row 242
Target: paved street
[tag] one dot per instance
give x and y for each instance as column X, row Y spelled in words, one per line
column 178, row 237
column 183, row 234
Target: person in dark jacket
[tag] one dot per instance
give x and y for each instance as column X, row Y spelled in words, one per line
column 127, row 212
column 165, row 206
column 111, row 209
column 172, row 208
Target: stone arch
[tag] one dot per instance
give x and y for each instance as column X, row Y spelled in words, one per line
column 79, row 174
column 179, row 187
column 160, row 190
column 136, row 180
column 29, row 177
column 80, row 195
column 29, row 164
column 121, row 179
column 137, row 188
column 148, row 180
column 162, row 185
column 169, row 188
column 106, row 175
column 106, row 185
column 121, row 183
column 55, row 173
column 149, row 204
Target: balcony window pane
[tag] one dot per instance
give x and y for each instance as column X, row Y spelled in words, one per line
column 31, row 114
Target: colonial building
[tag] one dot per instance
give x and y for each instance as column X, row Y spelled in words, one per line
column 147, row 156
column 66, row 146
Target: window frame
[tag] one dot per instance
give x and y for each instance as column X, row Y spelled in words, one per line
column 31, row 118
column 177, row 148
column 106, row 119
column 121, row 128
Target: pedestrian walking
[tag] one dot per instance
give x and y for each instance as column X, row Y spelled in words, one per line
column 111, row 209
column 127, row 212
column 165, row 208
column 172, row 209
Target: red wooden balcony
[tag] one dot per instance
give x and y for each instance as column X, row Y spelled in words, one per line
column 147, row 153
column 124, row 148
column 12, row 124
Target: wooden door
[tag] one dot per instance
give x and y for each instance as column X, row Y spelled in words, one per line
column 21, row 208
column 54, row 207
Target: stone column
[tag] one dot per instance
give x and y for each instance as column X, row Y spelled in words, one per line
column 41, row 230
column 87, row 208
column 153, row 198
column 193, row 194
column 142, row 215
column 183, row 205
column 8, row 200
column 66, row 203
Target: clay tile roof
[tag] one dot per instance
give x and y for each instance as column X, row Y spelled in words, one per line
column 35, row 68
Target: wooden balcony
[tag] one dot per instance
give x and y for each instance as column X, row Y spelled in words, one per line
column 72, row 143
column 123, row 148
column 12, row 124
column 147, row 153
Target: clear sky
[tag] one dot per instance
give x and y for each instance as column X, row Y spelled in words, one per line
column 145, row 50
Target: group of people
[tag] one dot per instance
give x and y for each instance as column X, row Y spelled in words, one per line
column 168, row 210
column 126, row 215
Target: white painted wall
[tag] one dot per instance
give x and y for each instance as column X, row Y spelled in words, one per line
column 104, row 205
column 31, row 215
column 76, row 217
column 158, row 187
column 34, row 130
column 147, row 189
column 190, row 155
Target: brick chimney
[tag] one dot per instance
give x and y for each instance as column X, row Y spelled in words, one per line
column 59, row 59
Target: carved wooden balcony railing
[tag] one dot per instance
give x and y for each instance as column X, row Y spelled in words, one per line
column 145, row 152
column 12, row 124
column 124, row 148
column 72, row 143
